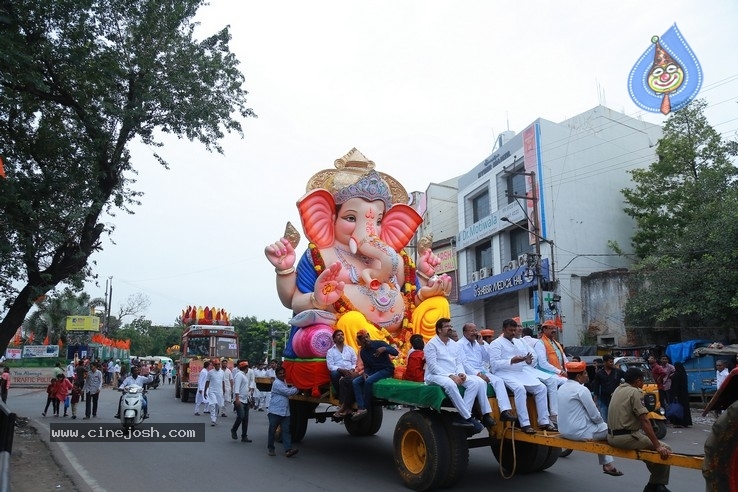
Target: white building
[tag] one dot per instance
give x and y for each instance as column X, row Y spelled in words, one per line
column 579, row 167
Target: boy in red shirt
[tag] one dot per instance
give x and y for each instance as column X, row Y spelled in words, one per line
column 416, row 360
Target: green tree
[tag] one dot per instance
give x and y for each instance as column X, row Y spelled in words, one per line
column 79, row 80
column 686, row 209
column 50, row 318
column 254, row 337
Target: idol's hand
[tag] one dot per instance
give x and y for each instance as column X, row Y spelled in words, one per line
column 328, row 289
column 281, row 254
column 427, row 264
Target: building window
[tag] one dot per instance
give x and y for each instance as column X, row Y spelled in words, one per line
column 515, row 186
column 483, row 256
column 480, row 207
column 519, row 243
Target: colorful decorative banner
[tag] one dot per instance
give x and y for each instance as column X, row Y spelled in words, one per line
column 667, row 76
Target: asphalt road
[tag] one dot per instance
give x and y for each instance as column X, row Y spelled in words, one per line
column 329, row 459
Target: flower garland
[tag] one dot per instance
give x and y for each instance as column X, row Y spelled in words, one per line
column 344, row 305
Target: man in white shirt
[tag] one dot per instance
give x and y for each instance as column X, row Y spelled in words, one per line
column 134, row 378
column 341, row 362
column 215, row 388
column 552, row 381
column 243, row 390
column 228, row 385
column 70, row 372
column 116, row 373
column 580, row 419
column 508, row 356
column 721, row 373
column 201, row 396
column 260, row 396
column 444, row 368
column 474, row 357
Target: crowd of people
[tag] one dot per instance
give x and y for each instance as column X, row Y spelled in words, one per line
column 82, row 380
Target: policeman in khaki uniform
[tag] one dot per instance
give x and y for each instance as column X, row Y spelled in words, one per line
column 626, row 418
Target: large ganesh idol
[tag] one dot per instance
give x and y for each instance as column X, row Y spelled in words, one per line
column 355, row 274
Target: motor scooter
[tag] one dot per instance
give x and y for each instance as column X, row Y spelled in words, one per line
column 155, row 383
column 131, row 406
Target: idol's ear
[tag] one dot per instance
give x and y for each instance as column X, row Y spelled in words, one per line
column 399, row 225
column 317, row 213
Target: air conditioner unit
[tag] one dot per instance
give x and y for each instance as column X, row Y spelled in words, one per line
column 484, row 272
column 511, row 265
column 523, row 259
column 475, row 277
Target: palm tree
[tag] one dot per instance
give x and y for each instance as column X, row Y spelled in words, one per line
column 49, row 319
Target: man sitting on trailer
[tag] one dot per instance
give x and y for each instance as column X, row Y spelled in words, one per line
column 474, row 358
column 508, row 356
column 443, row 367
column 626, row 418
column 580, row 420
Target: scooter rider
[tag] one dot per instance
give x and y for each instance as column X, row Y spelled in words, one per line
column 134, row 378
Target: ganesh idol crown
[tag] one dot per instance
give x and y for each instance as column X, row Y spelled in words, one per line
column 355, row 274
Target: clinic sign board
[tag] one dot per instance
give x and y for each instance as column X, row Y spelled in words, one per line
column 490, row 225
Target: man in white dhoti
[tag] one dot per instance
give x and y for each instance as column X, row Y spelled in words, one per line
column 508, row 356
column 215, row 388
column 201, row 398
column 228, row 385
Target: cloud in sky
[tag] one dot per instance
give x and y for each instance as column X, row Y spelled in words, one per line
column 421, row 88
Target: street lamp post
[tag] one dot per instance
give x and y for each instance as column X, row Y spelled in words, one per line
column 539, row 276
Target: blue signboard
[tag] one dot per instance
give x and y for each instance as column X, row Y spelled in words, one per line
column 504, row 283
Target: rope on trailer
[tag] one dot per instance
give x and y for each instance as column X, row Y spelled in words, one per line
column 515, row 454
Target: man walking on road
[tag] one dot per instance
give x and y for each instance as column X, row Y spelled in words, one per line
column 92, row 387
column 215, row 389
column 200, row 396
column 606, row 381
column 243, row 390
column 627, row 418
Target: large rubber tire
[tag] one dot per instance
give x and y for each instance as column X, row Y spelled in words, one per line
column 720, row 467
column 529, row 457
column 369, row 425
column 458, row 460
column 553, row 455
column 421, row 450
column 185, row 395
column 659, row 428
column 300, row 413
column 565, row 452
column 176, row 391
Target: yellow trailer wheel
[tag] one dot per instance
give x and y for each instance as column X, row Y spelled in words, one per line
column 421, row 450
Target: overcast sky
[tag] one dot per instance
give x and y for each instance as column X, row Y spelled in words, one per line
column 420, row 87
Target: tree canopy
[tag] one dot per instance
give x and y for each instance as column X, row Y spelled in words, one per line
column 686, row 209
column 79, row 80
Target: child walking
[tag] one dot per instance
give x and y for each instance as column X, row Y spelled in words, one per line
column 76, row 394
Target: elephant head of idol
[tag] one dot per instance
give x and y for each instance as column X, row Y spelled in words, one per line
column 359, row 211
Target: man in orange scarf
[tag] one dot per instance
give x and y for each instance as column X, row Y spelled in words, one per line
column 551, row 356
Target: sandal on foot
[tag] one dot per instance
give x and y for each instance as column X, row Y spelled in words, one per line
column 613, row 472
column 528, row 429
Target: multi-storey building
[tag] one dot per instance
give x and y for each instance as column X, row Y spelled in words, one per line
column 538, row 216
